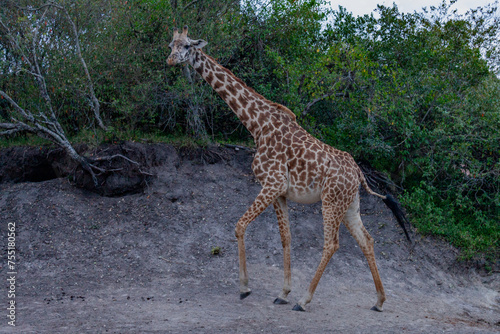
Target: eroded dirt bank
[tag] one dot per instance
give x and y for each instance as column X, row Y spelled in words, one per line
column 142, row 263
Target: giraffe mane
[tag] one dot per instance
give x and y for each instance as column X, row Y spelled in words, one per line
column 278, row 106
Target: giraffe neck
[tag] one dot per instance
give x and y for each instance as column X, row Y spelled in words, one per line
column 252, row 109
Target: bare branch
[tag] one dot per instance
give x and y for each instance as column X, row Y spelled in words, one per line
column 15, row 45
column 42, row 85
column 322, row 97
column 302, row 78
column 23, row 112
column 116, row 156
column 48, row 4
column 11, row 128
column 190, row 4
column 34, row 41
column 52, row 131
column 95, row 102
column 29, row 72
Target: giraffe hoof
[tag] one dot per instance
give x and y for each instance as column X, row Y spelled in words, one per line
column 244, row 295
column 297, row 307
column 280, row 301
column 376, row 308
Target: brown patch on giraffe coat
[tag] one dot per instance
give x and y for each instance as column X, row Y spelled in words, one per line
column 231, row 89
column 320, row 158
column 281, row 157
column 286, row 141
column 243, row 100
column 312, row 165
column 252, row 107
column 223, row 94
column 248, row 95
column 221, row 76
column 261, row 118
column 272, row 141
column 209, row 78
column 265, row 165
column 309, row 155
column 217, row 85
column 252, row 125
column 233, row 104
column 284, row 129
column 210, row 65
column 302, row 176
column 279, row 147
column 301, row 164
column 244, row 117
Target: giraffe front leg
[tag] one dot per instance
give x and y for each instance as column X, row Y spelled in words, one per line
column 244, row 289
column 266, row 196
column 281, row 209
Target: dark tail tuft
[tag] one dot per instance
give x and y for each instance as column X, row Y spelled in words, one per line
column 398, row 213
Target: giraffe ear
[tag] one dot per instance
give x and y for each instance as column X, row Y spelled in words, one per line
column 198, row 44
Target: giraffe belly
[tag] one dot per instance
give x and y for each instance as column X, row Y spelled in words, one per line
column 303, row 195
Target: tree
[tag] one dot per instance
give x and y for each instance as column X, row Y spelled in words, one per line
column 26, row 54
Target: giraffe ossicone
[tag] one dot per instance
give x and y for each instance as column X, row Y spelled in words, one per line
column 289, row 164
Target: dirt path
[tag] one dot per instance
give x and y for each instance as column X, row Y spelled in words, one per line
column 143, row 264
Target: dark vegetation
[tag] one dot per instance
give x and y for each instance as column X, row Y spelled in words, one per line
column 414, row 95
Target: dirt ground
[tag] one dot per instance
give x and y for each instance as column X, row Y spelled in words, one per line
column 142, row 263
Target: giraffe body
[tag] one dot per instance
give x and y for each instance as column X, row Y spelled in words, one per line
column 290, row 164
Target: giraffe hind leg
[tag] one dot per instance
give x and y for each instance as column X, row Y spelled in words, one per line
column 352, row 221
column 332, row 217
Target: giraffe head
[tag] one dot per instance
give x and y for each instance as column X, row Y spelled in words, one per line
column 182, row 47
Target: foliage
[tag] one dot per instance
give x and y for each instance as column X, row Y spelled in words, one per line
column 416, row 95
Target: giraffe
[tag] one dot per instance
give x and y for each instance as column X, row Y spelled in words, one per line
column 290, row 164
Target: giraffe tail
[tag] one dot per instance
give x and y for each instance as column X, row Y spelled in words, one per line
column 391, row 203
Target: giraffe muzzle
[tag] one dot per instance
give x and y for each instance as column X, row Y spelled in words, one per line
column 172, row 60
column 176, row 58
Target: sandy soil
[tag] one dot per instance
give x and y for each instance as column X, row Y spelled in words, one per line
column 142, row 263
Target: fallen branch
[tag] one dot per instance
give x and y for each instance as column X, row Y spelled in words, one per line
column 103, row 167
column 114, row 157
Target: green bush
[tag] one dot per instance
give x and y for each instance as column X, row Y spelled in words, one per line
column 412, row 95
